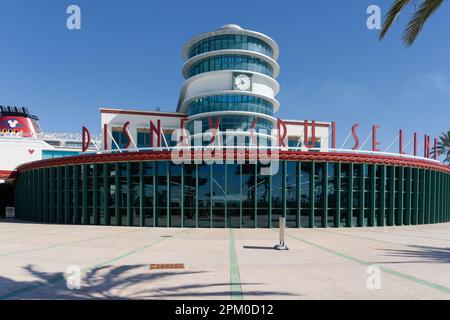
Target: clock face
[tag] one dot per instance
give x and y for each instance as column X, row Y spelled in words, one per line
column 242, row 82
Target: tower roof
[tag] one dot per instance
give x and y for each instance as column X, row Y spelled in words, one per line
column 231, row 29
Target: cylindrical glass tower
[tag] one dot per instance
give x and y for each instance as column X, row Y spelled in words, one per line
column 230, row 81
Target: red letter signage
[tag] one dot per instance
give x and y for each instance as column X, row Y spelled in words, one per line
column 309, row 144
column 86, row 139
column 355, row 136
column 375, row 143
column 156, row 130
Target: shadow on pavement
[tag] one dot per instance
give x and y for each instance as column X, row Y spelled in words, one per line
column 258, row 248
column 108, row 282
column 424, row 253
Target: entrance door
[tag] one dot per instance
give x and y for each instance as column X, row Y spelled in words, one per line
column 6, row 197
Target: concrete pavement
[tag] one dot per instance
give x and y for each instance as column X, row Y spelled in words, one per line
column 413, row 261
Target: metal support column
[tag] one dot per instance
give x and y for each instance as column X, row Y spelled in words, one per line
column 45, row 195
column 382, row 217
column 416, row 187
column 95, row 193
column 350, row 195
column 312, row 193
column 361, row 195
column 52, row 196
column 433, row 197
column 41, row 195
column 428, row 196
column 337, row 219
column 298, row 193
column 373, row 195
column 85, row 194
column 141, row 195
column 117, row 194
column 400, row 194
column 284, row 187
column 422, row 196
column 325, row 195
column 66, row 195
column 270, row 202
column 105, row 204
column 196, row 196
column 168, row 216
column 76, row 179
column 392, row 184
column 130, row 217
column 59, row 216
column 408, row 196
column 182, row 199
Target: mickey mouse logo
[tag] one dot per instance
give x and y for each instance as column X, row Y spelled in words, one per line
column 13, row 123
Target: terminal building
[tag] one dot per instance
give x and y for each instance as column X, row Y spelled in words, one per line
column 230, row 87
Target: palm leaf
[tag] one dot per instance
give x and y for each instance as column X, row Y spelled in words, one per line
column 392, row 14
column 443, row 146
column 421, row 15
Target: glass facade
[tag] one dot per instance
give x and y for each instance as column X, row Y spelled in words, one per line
column 256, row 57
column 120, row 139
column 231, row 62
column 233, row 122
column 161, row 194
column 230, row 41
column 233, row 102
column 51, row 154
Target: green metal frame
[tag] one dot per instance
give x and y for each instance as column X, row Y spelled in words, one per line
column 382, row 217
column 392, row 187
column 130, row 218
column 415, row 197
column 106, row 188
column 418, row 196
column 373, row 179
column 76, row 209
column 312, row 194
column 400, row 194
column 66, row 195
column 325, row 195
column 45, row 196
column 52, row 196
column 141, row 196
column 408, row 196
column 59, row 195
column 337, row 219
column 299, row 192
column 84, row 209
column 95, row 194
column 362, row 187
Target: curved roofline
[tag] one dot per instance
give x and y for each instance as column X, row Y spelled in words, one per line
column 231, row 30
column 284, row 155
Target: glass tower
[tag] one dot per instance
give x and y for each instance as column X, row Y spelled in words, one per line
column 230, row 82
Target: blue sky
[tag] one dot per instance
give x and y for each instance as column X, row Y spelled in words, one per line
column 128, row 55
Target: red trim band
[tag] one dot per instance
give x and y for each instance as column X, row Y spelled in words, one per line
column 283, row 155
column 143, row 113
column 5, row 174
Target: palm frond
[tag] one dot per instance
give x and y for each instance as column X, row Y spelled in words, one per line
column 443, row 146
column 392, row 14
column 421, row 15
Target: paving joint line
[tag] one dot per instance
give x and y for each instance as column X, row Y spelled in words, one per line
column 235, row 279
